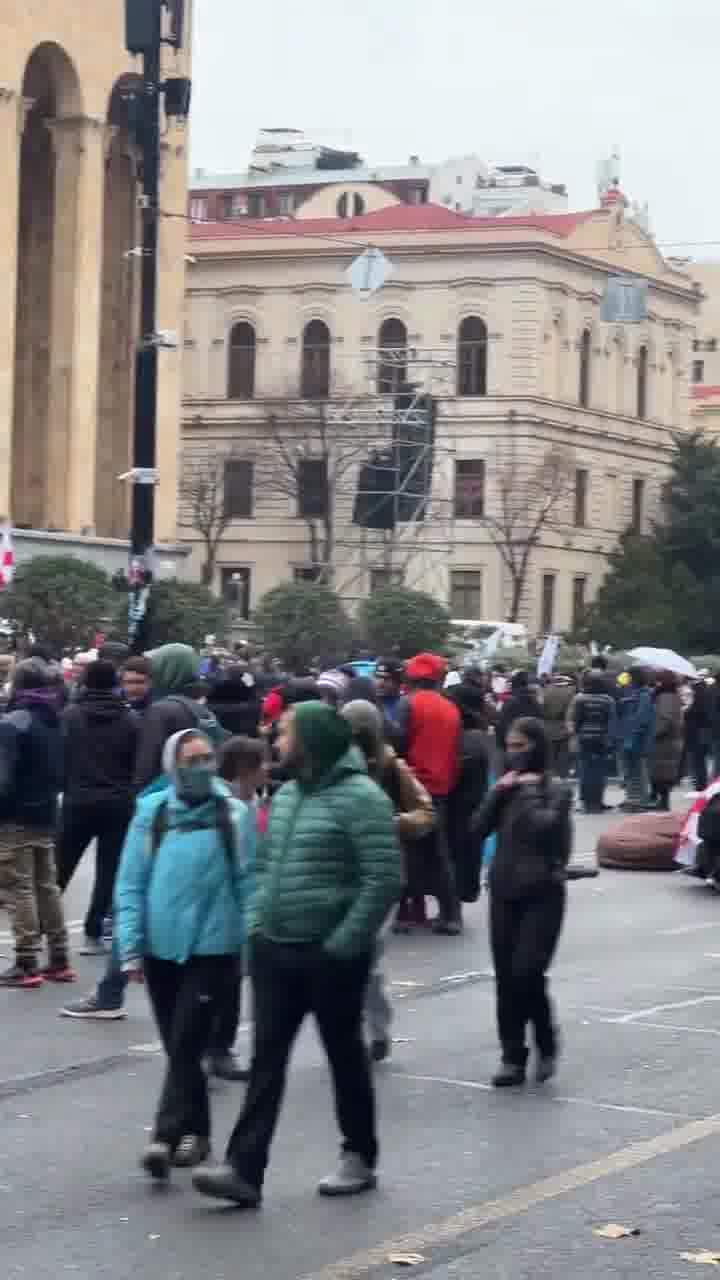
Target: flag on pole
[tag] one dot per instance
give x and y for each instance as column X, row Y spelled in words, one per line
column 547, row 659
column 7, row 557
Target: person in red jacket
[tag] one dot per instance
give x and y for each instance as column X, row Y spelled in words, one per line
column 431, row 731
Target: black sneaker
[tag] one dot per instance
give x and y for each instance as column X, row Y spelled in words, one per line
column 223, row 1183
column 191, row 1151
column 446, row 928
column 21, row 976
column 510, row 1076
column 156, row 1160
column 545, row 1069
column 380, row 1049
column 89, row 1007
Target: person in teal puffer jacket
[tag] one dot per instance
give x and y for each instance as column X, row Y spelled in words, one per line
column 329, row 871
column 180, row 903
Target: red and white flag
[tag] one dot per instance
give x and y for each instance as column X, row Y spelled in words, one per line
column 7, row 557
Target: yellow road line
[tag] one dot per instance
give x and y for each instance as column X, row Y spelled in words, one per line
column 435, row 1234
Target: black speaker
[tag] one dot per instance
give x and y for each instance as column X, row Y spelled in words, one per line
column 414, row 449
column 142, row 25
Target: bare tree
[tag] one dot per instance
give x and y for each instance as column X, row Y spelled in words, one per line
column 526, row 500
column 203, row 504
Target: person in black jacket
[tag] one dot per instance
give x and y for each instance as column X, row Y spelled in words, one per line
column 522, row 704
column 31, row 775
column 471, row 788
column 101, row 737
column 531, row 814
column 234, row 700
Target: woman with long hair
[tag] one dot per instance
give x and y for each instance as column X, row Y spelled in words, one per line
column 530, row 813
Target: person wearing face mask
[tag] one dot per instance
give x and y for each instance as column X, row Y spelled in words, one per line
column 180, row 926
column 530, row 813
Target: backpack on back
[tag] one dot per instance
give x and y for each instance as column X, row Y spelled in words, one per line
column 203, row 719
column 221, row 820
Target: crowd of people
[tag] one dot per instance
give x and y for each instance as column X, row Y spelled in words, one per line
column 250, row 823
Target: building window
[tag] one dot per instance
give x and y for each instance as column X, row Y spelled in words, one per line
column 466, row 594
column 469, row 489
column 584, row 378
column 286, row 202
column 711, row 344
column 581, row 492
column 350, row 205
column 256, row 205
column 472, row 357
column 392, row 370
column 697, row 344
column 234, row 205
column 238, row 489
column 312, row 488
column 198, row 209
column 642, row 376
column 547, row 615
column 698, row 370
column 241, row 362
column 235, row 588
column 307, row 572
column 315, row 380
column 638, row 505
column 417, row 195
column 578, row 601
column 384, row 579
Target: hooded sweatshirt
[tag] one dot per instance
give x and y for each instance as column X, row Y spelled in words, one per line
column 186, row 897
column 101, row 737
column 329, row 869
column 175, row 671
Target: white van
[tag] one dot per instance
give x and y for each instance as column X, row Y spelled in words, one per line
column 487, row 637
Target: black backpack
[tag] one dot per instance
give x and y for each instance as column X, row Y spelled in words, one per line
column 222, row 820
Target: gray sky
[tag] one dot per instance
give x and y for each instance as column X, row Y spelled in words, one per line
column 561, row 79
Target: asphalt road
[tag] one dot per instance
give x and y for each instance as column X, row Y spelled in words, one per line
column 477, row 1184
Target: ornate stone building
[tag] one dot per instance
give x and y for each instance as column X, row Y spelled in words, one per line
column 68, row 306
column 511, row 306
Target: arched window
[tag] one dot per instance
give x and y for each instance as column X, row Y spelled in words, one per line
column 350, row 205
column 392, row 370
column 241, row 362
column 315, row 378
column 584, row 379
column 472, row 357
column 642, row 377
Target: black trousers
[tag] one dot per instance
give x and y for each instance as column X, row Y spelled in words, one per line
column 523, row 937
column 290, row 982
column 185, row 999
column 79, row 824
column 227, row 1014
column 434, row 851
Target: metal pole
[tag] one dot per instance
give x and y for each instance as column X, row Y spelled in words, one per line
column 146, row 359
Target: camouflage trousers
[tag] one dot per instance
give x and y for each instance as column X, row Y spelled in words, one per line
column 28, row 883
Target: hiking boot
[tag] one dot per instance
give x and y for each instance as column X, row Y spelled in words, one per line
column 223, row 1183
column 90, row 1007
column 94, row 947
column 510, row 1075
column 59, row 970
column 380, row 1048
column 545, row 1069
column 23, row 976
column 225, row 1066
column 156, row 1161
column 191, row 1151
column 351, row 1177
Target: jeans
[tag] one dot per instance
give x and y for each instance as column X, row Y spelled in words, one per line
column 592, row 768
column 635, row 772
column 434, row 848
column 523, row 937
column 290, row 982
column 80, row 824
column 111, row 987
column 27, row 876
column 185, row 999
column 560, row 757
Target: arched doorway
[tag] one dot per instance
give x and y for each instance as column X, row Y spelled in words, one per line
column 39, row 435
column 118, row 323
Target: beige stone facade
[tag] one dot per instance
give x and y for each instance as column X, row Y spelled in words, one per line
column 533, row 288
column 68, row 219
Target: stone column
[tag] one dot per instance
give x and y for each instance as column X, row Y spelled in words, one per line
column 75, row 343
column 12, row 120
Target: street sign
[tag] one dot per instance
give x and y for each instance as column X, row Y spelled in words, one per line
column 625, row 300
column 369, row 271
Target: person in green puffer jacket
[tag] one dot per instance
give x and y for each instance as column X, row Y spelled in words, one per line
column 328, row 873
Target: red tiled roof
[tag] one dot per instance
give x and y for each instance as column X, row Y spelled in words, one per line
column 704, row 391
column 398, row 217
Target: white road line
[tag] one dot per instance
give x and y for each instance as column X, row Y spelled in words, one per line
column 576, row 1102
column 673, row 1026
column 475, row 1217
column 654, row 1009
column 688, row 928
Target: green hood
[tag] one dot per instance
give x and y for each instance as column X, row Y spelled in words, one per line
column 175, row 666
column 323, row 737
